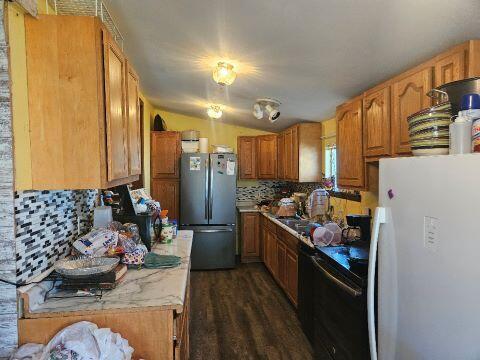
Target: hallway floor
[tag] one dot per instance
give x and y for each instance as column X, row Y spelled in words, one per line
column 243, row 314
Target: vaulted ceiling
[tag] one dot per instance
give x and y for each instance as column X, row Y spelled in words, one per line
column 309, row 54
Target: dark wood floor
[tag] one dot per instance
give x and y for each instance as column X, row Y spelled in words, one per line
column 243, row 314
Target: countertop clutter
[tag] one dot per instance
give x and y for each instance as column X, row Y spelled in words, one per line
column 152, row 288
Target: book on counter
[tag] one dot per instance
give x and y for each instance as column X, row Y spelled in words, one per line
column 104, row 281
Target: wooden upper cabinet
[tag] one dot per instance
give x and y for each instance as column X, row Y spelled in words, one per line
column 409, row 95
column 133, row 121
column 302, row 152
column 288, row 154
column 267, row 156
column 281, row 156
column 165, row 154
column 451, row 66
column 247, row 158
column 115, row 96
column 376, row 123
column 77, row 104
column 350, row 165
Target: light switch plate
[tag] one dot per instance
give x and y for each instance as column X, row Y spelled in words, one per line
column 431, row 233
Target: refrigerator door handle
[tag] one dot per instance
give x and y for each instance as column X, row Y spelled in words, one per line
column 213, row 230
column 380, row 218
column 210, row 191
column 206, row 189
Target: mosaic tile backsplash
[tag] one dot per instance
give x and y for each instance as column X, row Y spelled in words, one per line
column 46, row 225
column 263, row 191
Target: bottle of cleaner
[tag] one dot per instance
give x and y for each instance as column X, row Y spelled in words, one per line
column 471, row 107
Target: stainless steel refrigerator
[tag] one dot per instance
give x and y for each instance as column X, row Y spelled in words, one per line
column 207, row 206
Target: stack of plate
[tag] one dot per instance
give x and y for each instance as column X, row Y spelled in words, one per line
column 428, row 130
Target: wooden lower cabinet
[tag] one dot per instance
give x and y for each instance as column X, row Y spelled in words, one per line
column 154, row 333
column 167, row 192
column 250, row 236
column 291, row 271
column 280, row 256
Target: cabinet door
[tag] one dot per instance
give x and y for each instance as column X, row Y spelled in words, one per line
column 294, row 155
column 288, row 151
column 267, row 156
column 450, row 68
column 116, row 124
column 166, row 151
column 133, row 116
column 250, row 237
column 281, row 156
column 350, row 166
column 291, row 270
column 247, row 159
column 167, row 193
column 281, row 263
column 408, row 97
column 271, row 252
column 376, row 123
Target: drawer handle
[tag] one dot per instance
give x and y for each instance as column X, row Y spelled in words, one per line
column 348, row 289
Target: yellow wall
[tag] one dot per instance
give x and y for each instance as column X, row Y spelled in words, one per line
column 343, row 207
column 216, row 131
column 18, row 70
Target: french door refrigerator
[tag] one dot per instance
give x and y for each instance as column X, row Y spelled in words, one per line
column 207, row 206
column 427, row 232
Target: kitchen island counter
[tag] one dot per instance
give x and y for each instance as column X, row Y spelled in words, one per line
column 149, row 307
column 152, row 288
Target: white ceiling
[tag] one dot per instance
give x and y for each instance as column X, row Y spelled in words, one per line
column 310, row 54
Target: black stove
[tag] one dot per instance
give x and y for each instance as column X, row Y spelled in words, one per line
column 350, row 260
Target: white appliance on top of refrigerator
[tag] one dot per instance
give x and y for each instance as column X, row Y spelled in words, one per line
column 427, row 231
column 207, row 206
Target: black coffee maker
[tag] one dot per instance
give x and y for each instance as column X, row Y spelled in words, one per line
column 358, row 228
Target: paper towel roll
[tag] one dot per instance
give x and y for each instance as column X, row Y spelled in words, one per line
column 203, row 145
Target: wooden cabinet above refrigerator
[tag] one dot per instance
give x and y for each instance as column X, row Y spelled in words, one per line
column 83, row 105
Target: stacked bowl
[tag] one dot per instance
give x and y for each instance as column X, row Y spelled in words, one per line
column 428, row 130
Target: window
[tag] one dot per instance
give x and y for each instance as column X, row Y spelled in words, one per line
column 331, row 162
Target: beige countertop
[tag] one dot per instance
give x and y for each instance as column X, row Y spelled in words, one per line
column 145, row 288
column 304, row 239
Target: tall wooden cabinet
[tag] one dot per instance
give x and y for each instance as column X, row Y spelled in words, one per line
column 281, row 156
column 247, row 157
column 78, row 105
column 267, row 157
column 165, row 170
column 350, row 166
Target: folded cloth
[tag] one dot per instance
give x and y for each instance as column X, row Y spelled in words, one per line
column 156, row 261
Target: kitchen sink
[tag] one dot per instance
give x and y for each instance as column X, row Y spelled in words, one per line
column 300, row 226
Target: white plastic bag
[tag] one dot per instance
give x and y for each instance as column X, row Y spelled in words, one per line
column 84, row 338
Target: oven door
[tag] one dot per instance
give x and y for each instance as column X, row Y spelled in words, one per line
column 340, row 314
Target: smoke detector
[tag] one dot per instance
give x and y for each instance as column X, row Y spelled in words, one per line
column 267, row 107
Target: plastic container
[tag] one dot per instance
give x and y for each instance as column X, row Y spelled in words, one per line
column 471, row 108
column 102, row 216
column 461, row 135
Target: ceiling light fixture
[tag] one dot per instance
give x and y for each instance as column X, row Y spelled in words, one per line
column 223, row 74
column 267, row 107
column 214, row 111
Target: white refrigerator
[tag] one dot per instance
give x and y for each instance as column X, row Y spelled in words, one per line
column 427, row 229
